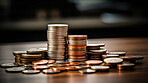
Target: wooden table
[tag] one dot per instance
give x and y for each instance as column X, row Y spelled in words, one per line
column 133, row 46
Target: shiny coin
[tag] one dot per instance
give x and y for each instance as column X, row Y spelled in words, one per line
column 109, row 56
column 113, row 60
column 30, row 71
column 51, row 71
column 15, row 69
column 87, row 71
column 31, row 55
column 93, row 62
column 8, row 65
column 40, row 67
column 73, row 63
column 35, row 50
column 71, row 68
column 56, row 65
column 77, row 37
column 100, row 68
column 125, row 66
column 40, row 62
column 94, row 46
column 19, row 52
column 77, row 57
column 117, row 53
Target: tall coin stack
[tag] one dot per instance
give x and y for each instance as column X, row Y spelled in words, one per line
column 77, row 48
column 57, row 41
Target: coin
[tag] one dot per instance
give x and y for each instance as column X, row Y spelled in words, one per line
column 51, row 71
column 31, row 71
column 109, row 56
column 87, row 71
column 15, row 69
column 100, row 68
column 40, row 67
column 36, row 50
column 73, row 63
column 71, row 68
column 125, row 66
column 76, row 60
column 40, row 62
column 31, row 55
column 8, row 65
column 77, row 37
column 19, row 52
column 117, row 53
column 93, row 62
column 113, row 60
column 94, row 46
column 131, row 59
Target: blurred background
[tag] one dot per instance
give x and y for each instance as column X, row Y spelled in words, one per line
column 26, row 20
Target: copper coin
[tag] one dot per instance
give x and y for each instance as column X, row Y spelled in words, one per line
column 93, row 62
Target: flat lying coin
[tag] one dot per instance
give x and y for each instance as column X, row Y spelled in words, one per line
column 15, row 69
column 117, row 53
column 51, row 71
column 93, row 62
column 31, row 71
column 100, row 68
column 113, row 60
column 8, row 65
column 87, row 71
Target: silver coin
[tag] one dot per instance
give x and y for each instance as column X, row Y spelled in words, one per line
column 8, row 65
column 31, row 71
column 15, row 69
column 51, row 71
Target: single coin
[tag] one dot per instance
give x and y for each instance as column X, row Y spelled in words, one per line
column 113, row 60
column 40, row 67
column 8, row 65
column 139, row 57
column 71, row 68
column 31, row 55
column 93, row 62
column 77, row 37
column 109, row 56
column 19, row 52
column 40, row 62
column 31, row 71
column 36, row 50
column 100, row 68
column 73, row 63
column 51, row 71
column 94, row 46
column 87, row 71
column 60, row 68
column 56, row 65
column 117, row 53
column 83, row 67
column 125, row 66
column 15, row 69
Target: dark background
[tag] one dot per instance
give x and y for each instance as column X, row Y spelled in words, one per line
column 26, row 20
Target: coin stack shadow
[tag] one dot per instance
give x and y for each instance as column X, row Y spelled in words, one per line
column 57, row 41
column 77, row 48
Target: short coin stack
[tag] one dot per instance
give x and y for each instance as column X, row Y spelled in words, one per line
column 77, row 48
column 18, row 55
column 95, row 51
column 57, row 41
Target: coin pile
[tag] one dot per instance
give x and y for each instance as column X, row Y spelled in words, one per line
column 18, row 55
column 57, row 41
column 77, row 48
column 95, row 51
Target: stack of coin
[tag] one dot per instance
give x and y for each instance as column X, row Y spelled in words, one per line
column 77, row 48
column 131, row 59
column 96, row 54
column 18, row 55
column 38, row 51
column 126, row 66
column 29, row 58
column 57, row 41
column 94, row 46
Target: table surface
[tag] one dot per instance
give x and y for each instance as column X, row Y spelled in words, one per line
column 133, row 46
